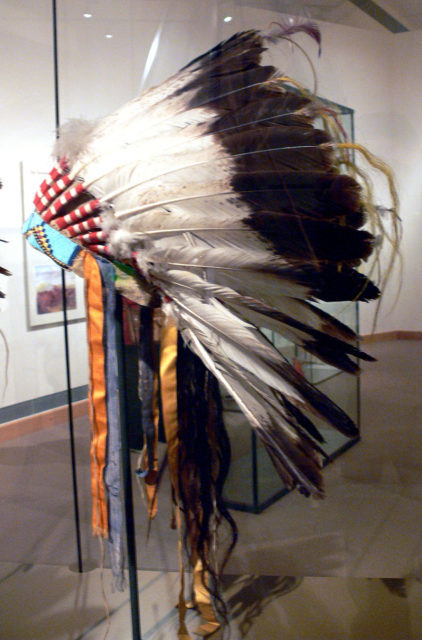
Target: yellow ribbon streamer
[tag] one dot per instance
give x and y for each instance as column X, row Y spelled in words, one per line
column 203, row 602
column 151, row 477
column 182, row 632
column 168, row 380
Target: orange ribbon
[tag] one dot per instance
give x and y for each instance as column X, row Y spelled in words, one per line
column 97, row 395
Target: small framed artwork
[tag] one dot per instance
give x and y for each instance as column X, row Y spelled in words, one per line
column 43, row 278
column 45, row 293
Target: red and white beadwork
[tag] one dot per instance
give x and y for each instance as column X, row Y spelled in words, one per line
column 80, row 213
column 82, row 224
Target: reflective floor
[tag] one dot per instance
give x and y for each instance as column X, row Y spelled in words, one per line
column 357, row 555
column 52, row 603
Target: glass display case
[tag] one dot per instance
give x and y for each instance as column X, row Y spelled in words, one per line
column 369, row 527
column 253, row 484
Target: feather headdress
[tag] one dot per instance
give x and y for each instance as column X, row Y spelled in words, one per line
column 239, row 213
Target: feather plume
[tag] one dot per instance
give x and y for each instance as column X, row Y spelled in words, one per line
column 72, row 138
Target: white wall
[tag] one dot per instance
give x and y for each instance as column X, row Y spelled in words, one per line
column 27, row 131
column 406, row 96
column 374, row 72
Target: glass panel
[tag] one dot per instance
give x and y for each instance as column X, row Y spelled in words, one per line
column 239, row 487
column 264, row 484
column 31, row 355
column 313, row 368
column 37, row 498
column 104, row 61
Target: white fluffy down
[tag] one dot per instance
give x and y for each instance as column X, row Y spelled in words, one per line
column 73, row 137
column 121, row 243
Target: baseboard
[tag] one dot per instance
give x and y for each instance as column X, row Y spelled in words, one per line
column 392, row 335
column 59, row 415
column 43, row 420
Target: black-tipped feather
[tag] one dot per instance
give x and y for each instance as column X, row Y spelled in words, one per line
column 302, row 193
column 265, row 108
column 320, row 403
column 246, row 43
column 333, row 285
column 221, row 88
column 328, row 348
column 299, row 238
column 304, row 422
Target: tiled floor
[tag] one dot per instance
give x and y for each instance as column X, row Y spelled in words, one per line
column 369, row 527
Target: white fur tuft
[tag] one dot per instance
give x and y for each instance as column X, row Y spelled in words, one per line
column 121, row 243
column 108, row 221
column 73, row 136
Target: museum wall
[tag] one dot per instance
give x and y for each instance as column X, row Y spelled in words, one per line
column 359, row 68
column 27, row 132
column 406, row 127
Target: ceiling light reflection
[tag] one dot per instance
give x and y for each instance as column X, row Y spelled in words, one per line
column 152, row 53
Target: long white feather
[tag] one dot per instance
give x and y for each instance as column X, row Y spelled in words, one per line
column 199, row 256
column 224, row 210
column 239, row 305
column 237, row 265
column 274, row 430
column 223, row 331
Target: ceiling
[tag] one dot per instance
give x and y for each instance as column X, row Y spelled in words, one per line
column 394, row 15
column 409, row 12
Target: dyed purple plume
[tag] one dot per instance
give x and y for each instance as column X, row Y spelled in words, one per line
column 294, row 25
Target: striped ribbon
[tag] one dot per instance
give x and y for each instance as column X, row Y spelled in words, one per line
column 112, row 472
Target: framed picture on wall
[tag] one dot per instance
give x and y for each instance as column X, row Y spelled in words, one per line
column 43, row 278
